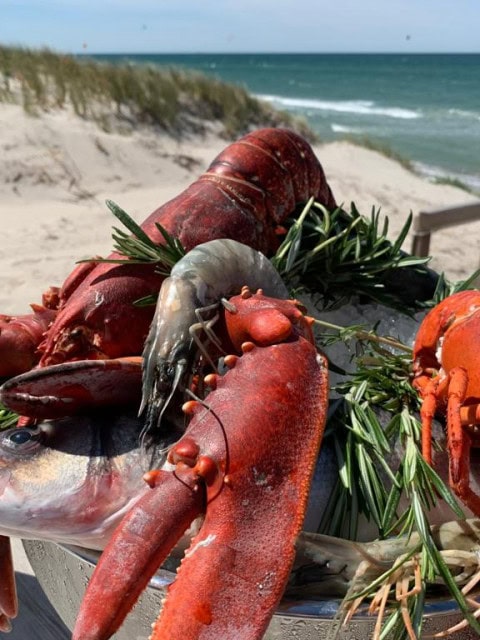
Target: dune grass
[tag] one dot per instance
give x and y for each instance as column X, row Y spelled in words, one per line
column 382, row 148
column 123, row 97
column 455, row 182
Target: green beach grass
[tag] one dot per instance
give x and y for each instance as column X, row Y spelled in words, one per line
column 123, row 97
column 455, row 182
column 384, row 149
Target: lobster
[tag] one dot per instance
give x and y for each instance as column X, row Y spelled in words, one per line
column 247, row 193
column 20, row 337
column 445, row 365
column 246, row 471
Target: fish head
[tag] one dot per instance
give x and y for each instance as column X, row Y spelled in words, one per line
column 71, row 480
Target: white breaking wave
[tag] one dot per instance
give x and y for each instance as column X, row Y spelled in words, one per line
column 463, row 113
column 340, row 128
column 365, row 107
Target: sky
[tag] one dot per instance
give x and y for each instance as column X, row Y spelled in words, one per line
column 242, row 26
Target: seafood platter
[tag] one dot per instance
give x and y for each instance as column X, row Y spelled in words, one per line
column 255, row 419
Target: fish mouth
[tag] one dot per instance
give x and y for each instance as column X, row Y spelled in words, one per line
column 53, row 526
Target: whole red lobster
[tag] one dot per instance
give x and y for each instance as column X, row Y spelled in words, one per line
column 445, row 365
column 246, row 194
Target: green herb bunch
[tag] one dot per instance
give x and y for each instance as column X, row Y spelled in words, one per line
column 338, row 254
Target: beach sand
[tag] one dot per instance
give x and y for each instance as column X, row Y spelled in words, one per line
column 57, row 170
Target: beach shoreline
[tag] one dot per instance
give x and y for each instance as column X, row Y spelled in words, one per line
column 57, row 170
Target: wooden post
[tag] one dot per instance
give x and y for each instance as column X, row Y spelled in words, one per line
column 420, row 243
column 427, row 221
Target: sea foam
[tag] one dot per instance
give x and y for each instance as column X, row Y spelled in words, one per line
column 340, row 128
column 365, row 107
column 433, row 173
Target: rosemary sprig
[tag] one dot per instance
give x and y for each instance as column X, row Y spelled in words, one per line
column 136, row 247
column 340, row 254
column 358, row 332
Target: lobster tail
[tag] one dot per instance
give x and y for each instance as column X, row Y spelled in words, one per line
column 281, row 164
column 248, row 190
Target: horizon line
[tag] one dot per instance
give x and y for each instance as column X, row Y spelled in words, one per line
column 273, row 53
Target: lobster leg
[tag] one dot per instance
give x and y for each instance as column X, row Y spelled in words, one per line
column 431, row 391
column 8, row 592
column 254, row 450
column 460, row 440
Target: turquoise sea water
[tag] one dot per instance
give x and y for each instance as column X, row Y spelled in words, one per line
column 424, row 106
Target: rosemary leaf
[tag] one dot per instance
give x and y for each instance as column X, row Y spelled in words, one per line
column 344, row 463
column 128, row 222
column 391, row 504
column 370, row 488
column 444, row 492
column 138, row 248
column 391, row 626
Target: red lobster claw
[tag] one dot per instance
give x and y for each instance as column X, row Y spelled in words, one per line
column 8, row 592
column 71, row 387
column 248, row 455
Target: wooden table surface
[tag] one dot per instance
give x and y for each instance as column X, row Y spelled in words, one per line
column 37, row 619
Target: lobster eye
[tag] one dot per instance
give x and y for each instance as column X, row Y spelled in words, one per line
column 20, row 440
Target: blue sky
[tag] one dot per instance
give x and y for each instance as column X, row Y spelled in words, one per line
column 195, row 26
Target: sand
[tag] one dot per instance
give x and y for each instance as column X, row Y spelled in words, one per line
column 57, row 170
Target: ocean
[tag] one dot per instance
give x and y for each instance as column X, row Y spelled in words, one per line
column 425, row 107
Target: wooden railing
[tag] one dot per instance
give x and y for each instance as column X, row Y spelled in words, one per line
column 428, row 221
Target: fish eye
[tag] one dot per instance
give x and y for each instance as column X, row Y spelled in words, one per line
column 20, row 440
